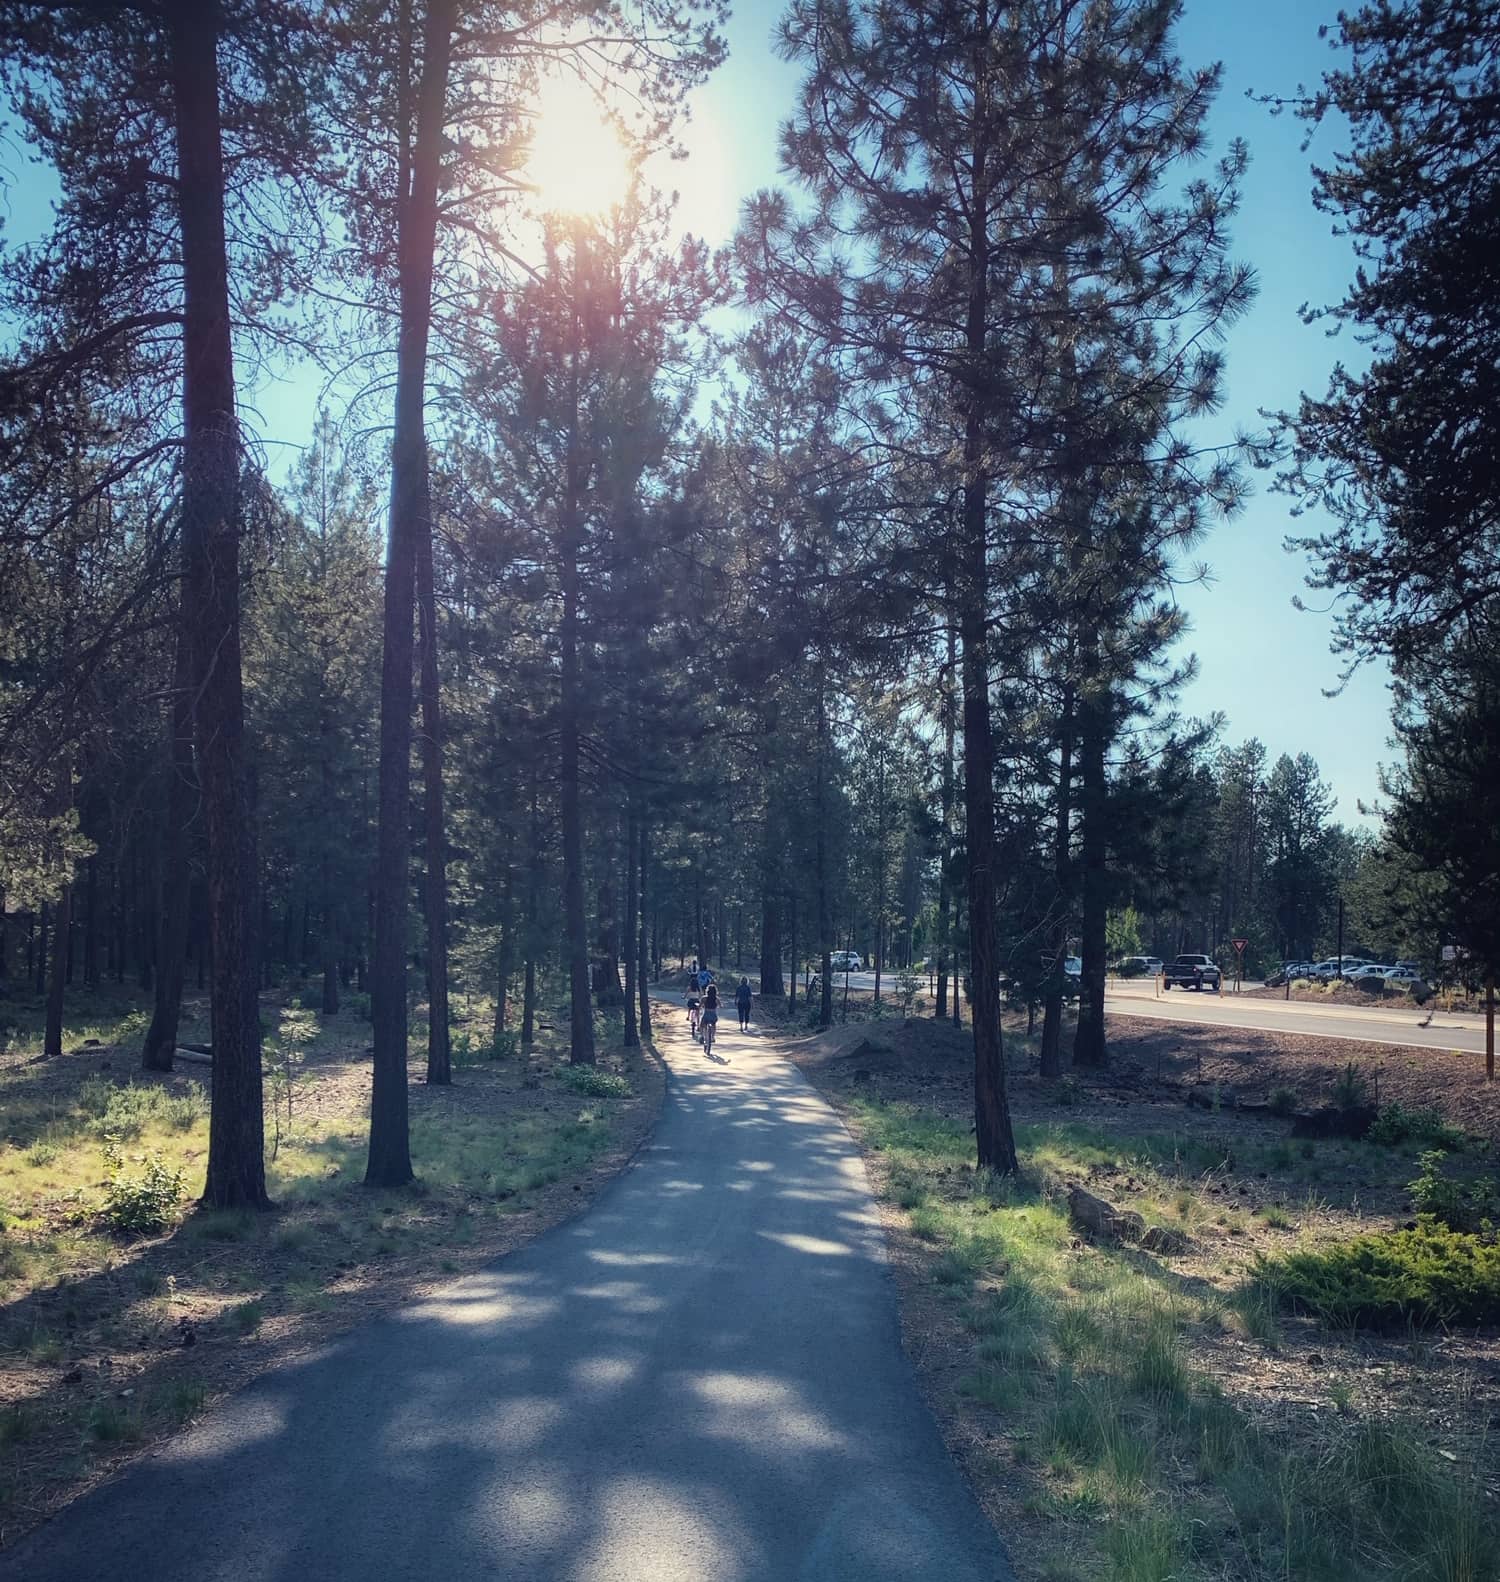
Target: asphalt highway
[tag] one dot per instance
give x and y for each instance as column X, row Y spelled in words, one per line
column 1375, row 1024
column 698, row 1380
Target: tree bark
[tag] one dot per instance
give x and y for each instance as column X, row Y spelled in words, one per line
column 642, row 990
column 328, row 933
column 1088, row 1042
column 570, row 545
column 505, row 964
column 533, row 904
column 945, row 864
column 628, row 934
column 825, row 919
column 389, row 1162
column 1062, row 868
column 992, row 1126
column 62, row 910
column 210, row 516
column 435, row 892
column 175, row 881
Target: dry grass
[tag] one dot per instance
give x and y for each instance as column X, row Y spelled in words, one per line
column 1137, row 1417
column 108, row 1342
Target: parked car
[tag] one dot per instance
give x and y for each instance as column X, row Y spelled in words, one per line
column 1134, row 967
column 1153, row 966
column 1403, row 974
column 1408, row 966
column 1330, row 968
column 846, row 961
column 1191, row 972
column 1073, row 966
column 1371, row 969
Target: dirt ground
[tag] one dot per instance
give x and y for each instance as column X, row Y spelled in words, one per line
column 1305, row 1383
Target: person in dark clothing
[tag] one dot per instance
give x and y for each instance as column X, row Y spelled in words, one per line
column 742, row 1004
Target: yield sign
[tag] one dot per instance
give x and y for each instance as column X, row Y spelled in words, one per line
column 1239, row 946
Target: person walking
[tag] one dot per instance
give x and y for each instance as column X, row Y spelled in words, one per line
column 742, row 1004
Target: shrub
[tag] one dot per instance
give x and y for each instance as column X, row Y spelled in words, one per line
column 504, row 1046
column 359, row 1005
column 1450, row 1202
column 1395, row 1125
column 137, row 1205
column 1283, row 1102
column 1428, row 1275
column 595, row 1083
column 1349, row 1089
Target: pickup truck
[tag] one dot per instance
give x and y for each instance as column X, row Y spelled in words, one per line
column 1191, row 972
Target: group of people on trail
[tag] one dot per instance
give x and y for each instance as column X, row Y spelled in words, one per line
column 703, row 1006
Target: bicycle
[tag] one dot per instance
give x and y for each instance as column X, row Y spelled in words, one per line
column 708, row 1039
column 693, row 1022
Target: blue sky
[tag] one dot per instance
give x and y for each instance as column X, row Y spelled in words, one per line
column 1263, row 664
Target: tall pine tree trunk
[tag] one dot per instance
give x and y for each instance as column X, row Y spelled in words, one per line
column 328, row 933
column 825, row 917
column 62, row 915
column 173, row 907
column 992, row 1127
column 570, row 549
column 210, row 515
column 505, row 963
column 439, row 1055
column 628, row 935
column 1062, row 868
column 1088, row 1041
column 389, row 1162
column 770, row 875
column 643, row 973
column 945, row 842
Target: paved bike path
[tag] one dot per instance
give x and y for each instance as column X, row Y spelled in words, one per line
column 699, row 1380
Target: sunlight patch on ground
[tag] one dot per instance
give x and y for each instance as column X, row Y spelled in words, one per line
column 810, row 1244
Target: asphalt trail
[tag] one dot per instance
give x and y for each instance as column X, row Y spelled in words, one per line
column 699, row 1380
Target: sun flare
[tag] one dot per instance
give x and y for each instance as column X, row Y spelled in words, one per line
column 578, row 163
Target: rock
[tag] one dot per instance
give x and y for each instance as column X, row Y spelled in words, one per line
column 1212, row 1095
column 1328, row 1120
column 864, row 1048
column 1093, row 1214
column 91, row 1043
column 1166, row 1240
column 73, row 1376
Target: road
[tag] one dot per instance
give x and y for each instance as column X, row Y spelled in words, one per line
column 1375, row 1024
column 699, row 1380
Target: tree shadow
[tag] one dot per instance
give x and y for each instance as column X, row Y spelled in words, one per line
column 702, row 1377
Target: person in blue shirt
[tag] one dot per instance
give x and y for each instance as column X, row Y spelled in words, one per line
column 742, row 1004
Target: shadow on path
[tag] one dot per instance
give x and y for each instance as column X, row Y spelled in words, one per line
column 701, row 1378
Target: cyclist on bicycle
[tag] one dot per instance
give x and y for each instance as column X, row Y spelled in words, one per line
column 710, row 1019
column 693, row 1003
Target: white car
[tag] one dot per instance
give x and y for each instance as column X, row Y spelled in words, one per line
column 846, row 961
column 1370, row 970
column 1073, row 966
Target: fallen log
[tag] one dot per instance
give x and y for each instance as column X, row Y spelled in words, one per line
column 193, row 1056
